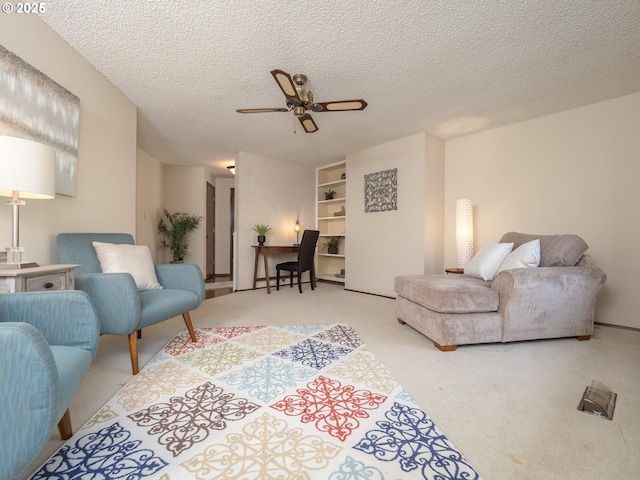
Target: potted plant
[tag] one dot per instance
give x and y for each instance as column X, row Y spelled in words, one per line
column 174, row 229
column 332, row 244
column 328, row 195
column 262, row 230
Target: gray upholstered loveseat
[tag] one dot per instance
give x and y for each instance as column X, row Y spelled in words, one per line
column 556, row 299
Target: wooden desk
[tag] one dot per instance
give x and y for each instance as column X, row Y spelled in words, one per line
column 266, row 250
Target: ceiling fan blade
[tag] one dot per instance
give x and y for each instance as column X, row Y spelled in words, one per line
column 261, row 110
column 342, row 105
column 308, row 124
column 286, row 84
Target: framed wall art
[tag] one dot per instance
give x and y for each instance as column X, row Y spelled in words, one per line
column 381, row 191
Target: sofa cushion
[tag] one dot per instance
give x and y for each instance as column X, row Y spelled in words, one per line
column 448, row 293
column 555, row 250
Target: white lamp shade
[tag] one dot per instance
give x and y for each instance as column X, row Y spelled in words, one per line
column 464, row 232
column 27, row 167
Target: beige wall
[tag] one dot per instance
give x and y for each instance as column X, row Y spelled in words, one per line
column 105, row 200
column 573, row 172
column 434, row 204
column 185, row 190
column 273, row 192
column 382, row 245
column 150, row 201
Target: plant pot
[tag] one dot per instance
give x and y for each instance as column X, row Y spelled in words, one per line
column 332, row 250
column 261, row 240
column 328, row 197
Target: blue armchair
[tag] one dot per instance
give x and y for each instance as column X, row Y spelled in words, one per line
column 122, row 309
column 47, row 343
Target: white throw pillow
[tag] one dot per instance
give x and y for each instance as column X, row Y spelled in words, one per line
column 526, row 255
column 125, row 258
column 486, row 262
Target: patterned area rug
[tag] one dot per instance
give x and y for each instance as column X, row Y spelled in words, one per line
column 271, row 402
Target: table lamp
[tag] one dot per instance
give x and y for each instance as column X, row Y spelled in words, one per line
column 27, row 170
column 297, row 229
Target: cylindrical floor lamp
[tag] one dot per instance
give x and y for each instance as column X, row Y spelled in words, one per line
column 464, row 232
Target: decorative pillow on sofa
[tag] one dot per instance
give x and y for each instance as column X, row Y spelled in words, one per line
column 486, row 262
column 526, row 255
column 133, row 259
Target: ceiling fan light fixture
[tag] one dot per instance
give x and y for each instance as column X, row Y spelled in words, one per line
column 299, row 79
column 298, row 110
column 306, row 96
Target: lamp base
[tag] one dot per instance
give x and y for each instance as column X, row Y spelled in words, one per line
column 13, row 258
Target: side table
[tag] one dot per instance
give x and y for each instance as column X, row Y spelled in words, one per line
column 37, row 279
column 454, row 270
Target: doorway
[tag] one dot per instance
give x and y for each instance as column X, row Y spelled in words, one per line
column 211, row 233
column 220, row 226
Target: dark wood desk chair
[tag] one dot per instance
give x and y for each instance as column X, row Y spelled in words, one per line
column 304, row 262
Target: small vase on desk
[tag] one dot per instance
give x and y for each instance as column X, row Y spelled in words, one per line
column 261, row 239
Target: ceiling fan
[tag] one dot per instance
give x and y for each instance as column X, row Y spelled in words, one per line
column 300, row 100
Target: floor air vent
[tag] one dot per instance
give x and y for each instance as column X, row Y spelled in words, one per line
column 598, row 400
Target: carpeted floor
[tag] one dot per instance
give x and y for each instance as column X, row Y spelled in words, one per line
column 265, row 402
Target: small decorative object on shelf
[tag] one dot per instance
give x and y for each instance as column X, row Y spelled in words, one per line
column 343, row 176
column 262, row 230
column 328, row 195
column 332, row 244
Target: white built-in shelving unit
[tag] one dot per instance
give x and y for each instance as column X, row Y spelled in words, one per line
column 331, row 219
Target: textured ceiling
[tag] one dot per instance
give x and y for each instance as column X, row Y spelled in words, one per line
column 443, row 66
